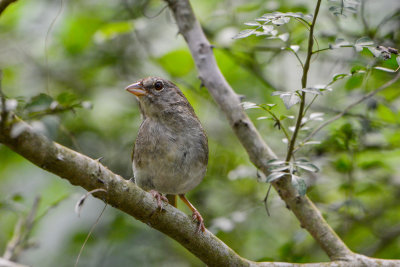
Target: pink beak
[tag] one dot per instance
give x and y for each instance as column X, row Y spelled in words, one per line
column 137, row 89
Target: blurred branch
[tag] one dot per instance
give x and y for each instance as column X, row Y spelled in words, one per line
column 304, row 78
column 363, row 19
column 4, row 4
column 362, row 99
column 3, row 110
column 7, row 263
column 258, row 151
column 21, row 234
column 386, row 239
column 90, row 174
column 124, row 195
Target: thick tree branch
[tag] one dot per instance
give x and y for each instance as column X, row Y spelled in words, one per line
column 83, row 171
column 308, row 215
column 124, row 195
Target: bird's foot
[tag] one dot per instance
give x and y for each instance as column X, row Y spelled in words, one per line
column 200, row 222
column 159, row 198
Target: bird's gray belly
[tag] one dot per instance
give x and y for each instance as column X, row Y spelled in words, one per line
column 167, row 162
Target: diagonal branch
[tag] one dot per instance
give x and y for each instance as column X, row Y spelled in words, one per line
column 122, row 194
column 259, row 152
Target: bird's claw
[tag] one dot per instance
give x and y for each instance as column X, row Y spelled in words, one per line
column 159, row 198
column 200, row 222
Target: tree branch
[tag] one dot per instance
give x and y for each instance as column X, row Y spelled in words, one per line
column 124, row 195
column 90, row 174
column 304, row 78
column 259, row 153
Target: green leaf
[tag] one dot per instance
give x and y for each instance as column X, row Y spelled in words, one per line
column 312, row 90
column 113, row 29
column 252, row 23
column 267, row 106
column 39, row 102
column 280, row 21
column 178, row 63
column 364, row 41
column 289, row 98
column 275, row 175
column 308, row 167
column 375, row 51
column 274, row 162
column 339, row 77
column 244, row 33
column 355, row 81
column 67, row 98
column 386, row 114
column 78, row 33
column 384, row 69
column 357, row 69
column 339, row 42
column 280, row 169
column 299, row 184
column 249, row 105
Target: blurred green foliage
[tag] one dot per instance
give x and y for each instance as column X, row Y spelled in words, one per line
column 73, row 92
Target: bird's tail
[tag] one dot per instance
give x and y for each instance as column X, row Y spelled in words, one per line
column 172, row 200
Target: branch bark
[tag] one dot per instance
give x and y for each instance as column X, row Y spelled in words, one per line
column 124, row 195
column 258, row 151
column 83, row 171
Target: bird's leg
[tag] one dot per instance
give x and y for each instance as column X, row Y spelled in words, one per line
column 196, row 215
column 159, row 197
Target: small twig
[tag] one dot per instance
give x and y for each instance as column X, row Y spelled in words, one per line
column 21, row 234
column 303, row 84
column 362, row 14
column 82, row 200
column 266, row 199
column 362, row 99
column 329, row 48
column 3, row 112
column 46, row 45
column 89, row 234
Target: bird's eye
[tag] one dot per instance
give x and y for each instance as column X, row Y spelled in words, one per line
column 158, row 85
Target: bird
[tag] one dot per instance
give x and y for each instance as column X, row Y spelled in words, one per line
column 170, row 153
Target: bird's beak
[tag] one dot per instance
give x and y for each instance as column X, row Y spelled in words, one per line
column 137, row 89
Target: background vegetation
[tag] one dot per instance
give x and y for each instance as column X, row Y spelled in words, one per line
column 67, row 64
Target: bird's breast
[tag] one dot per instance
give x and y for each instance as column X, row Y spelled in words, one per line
column 169, row 159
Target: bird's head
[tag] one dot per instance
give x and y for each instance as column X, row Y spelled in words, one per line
column 157, row 95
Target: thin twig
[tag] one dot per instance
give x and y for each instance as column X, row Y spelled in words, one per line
column 46, row 46
column 21, row 234
column 329, row 48
column 362, row 14
column 362, row 99
column 266, row 199
column 89, row 234
column 303, row 84
column 3, row 112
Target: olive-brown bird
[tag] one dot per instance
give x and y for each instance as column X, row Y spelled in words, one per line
column 170, row 155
